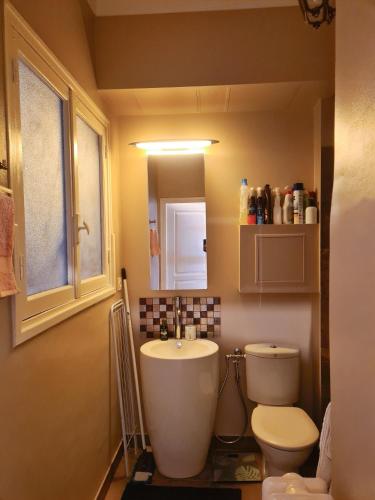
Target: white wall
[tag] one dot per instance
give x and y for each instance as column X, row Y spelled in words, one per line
column 353, row 255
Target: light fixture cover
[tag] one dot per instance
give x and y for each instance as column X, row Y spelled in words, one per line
column 317, row 12
column 174, row 147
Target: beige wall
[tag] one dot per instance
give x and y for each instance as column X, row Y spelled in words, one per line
column 181, row 177
column 67, row 27
column 352, row 277
column 265, row 147
column 59, row 422
column 211, row 48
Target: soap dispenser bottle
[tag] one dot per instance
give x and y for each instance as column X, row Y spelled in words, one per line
column 164, row 330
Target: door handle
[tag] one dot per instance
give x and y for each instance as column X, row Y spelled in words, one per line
column 78, row 228
column 84, row 227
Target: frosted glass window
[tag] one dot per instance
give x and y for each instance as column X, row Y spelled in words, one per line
column 89, row 177
column 43, row 180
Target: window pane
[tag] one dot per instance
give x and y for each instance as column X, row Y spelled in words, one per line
column 43, row 179
column 89, row 177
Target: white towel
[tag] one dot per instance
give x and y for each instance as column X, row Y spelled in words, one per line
column 325, row 458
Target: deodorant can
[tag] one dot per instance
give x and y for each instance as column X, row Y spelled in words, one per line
column 298, row 195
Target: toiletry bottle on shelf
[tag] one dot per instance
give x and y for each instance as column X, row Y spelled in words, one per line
column 267, row 205
column 277, row 207
column 298, row 198
column 311, row 212
column 164, row 330
column 288, row 207
column 260, row 208
column 244, row 194
column 252, row 208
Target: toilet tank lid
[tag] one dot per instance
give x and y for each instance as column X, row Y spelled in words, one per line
column 271, row 351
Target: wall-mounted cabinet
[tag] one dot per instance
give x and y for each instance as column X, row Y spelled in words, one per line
column 279, row 259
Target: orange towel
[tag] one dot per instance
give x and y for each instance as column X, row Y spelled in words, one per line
column 154, row 243
column 8, row 284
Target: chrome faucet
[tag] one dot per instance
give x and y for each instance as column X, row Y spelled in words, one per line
column 177, row 309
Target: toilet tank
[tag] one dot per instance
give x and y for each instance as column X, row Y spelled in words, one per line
column 272, row 374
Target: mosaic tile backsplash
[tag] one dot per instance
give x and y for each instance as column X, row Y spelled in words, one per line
column 203, row 312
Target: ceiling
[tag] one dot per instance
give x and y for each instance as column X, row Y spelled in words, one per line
column 132, row 7
column 286, row 96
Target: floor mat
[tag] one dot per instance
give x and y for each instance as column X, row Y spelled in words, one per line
column 151, row 492
column 237, row 467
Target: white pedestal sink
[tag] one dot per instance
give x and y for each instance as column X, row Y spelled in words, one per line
column 180, row 389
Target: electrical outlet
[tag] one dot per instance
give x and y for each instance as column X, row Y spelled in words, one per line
column 119, row 283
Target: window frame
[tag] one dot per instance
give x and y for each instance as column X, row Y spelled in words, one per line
column 80, row 110
column 33, row 315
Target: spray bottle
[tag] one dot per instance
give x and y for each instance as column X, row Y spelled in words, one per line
column 244, row 194
column 267, row 205
column 252, row 208
column 277, row 219
column 260, row 207
column 288, row 206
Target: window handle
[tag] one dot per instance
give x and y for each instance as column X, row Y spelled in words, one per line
column 84, row 227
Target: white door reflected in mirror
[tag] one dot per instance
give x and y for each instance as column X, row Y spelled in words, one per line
column 177, row 222
column 183, row 235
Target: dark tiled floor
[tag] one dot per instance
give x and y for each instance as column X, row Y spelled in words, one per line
column 250, row 491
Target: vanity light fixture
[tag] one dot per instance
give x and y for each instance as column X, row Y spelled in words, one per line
column 317, row 12
column 174, row 147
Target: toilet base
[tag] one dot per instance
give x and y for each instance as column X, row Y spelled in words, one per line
column 271, row 470
column 279, row 462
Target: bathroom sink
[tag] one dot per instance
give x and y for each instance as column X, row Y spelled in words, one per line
column 189, row 349
column 180, row 387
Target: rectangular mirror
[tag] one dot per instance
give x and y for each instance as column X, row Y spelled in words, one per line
column 177, row 222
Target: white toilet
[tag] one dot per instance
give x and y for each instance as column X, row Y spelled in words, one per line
column 285, row 433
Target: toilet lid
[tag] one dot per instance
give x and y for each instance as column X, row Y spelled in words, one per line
column 285, row 427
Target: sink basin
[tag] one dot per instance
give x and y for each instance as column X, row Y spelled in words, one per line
column 180, row 389
column 190, row 349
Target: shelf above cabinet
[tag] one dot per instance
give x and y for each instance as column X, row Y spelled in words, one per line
column 279, row 258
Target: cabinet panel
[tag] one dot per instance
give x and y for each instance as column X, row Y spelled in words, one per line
column 279, row 259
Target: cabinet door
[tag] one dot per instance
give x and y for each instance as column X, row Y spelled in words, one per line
column 279, row 259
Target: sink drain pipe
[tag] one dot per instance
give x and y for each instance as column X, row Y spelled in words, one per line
column 235, row 358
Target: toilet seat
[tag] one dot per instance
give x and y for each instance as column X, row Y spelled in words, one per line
column 284, row 427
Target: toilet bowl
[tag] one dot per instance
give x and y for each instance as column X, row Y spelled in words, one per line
column 285, row 433
column 286, row 436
